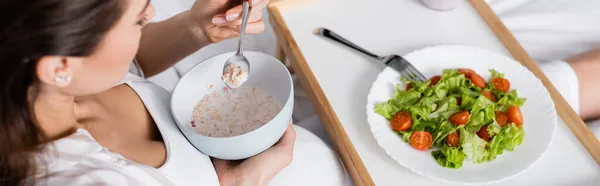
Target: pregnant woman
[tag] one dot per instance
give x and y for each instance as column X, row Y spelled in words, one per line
column 72, row 112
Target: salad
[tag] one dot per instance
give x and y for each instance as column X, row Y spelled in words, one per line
column 458, row 114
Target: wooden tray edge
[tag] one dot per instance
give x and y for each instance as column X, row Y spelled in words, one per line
column 344, row 147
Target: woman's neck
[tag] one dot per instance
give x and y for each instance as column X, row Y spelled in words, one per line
column 55, row 113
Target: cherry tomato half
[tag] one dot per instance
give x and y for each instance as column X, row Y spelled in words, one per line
column 501, row 117
column 501, row 84
column 477, row 80
column 515, row 116
column 460, row 118
column 421, row 140
column 488, row 94
column 483, row 133
column 465, row 71
column 401, row 121
column 435, row 79
column 453, row 139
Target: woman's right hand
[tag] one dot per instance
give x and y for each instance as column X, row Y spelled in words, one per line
column 260, row 169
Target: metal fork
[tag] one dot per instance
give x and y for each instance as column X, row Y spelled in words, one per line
column 396, row 62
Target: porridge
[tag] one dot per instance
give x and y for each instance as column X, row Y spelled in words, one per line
column 233, row 112
column 234, row 75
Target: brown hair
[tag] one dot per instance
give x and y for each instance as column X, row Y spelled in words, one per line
column 29, row 30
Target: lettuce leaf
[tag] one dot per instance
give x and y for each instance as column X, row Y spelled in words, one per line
column 405, row 136
column 494, row 128
column 451, row 157
column 442, row 130
column 418, row 86
column 441, row 90
column 386, row 109
column 507, row 99
column 402, row 101
column 507, row 139
column 473, row 146
column 467, row 102
column 447, row 107
column 496, row 74
column 482, row 113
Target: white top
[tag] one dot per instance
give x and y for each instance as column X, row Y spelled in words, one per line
column 80, row 160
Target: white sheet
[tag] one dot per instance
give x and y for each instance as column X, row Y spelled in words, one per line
column 552, row 30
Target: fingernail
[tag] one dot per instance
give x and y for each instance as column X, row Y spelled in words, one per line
column 232, row 16
column 219, row 20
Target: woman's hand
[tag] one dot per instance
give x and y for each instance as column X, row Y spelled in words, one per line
column 217, row 20
column 260, row 169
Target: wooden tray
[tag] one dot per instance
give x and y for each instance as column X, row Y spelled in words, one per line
column 352, row 161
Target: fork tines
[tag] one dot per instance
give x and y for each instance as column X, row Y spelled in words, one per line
column 413, row 74
column 405, row 68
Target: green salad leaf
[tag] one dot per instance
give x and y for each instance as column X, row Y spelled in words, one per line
column 442, row 130
column 451, row 157
column 508, row 138
column 507, row 99
column 482, row 113
column 473, row 146
column 494, row 128
column 405, row 136
column 496, row 74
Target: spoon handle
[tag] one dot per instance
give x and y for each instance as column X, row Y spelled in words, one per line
column 245, row 15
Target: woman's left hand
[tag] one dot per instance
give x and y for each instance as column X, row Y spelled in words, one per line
column 217, row 20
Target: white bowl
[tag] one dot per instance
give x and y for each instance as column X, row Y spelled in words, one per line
column 538, row 113
column 266, row 73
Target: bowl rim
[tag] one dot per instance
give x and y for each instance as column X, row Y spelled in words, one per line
column 183, row 127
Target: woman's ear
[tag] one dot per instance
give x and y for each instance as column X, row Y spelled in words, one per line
column 57, row 70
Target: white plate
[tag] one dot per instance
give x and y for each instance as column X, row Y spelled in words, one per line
column 538, row 113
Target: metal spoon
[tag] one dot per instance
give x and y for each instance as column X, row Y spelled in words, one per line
column 236, row 69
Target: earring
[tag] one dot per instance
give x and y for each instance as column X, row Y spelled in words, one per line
column 62, row 79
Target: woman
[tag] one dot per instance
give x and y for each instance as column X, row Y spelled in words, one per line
column 68, row 117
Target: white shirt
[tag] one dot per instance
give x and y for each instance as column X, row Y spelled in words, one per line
column 78, row 159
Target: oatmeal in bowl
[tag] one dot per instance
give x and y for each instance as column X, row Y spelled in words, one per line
column 232, row 112
column 238, row 123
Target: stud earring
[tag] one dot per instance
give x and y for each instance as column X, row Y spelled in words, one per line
column 65, row 79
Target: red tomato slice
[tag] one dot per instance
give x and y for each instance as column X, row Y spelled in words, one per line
column 501, row 117
column 453, row 139
column 460, row 118
column 435, row 79
column 488, row 94
column 465, row 71
column 401, row 121
column 483, row 133
column 477, row 80
column 515, row 116
column 501, row 84
column 421, row 140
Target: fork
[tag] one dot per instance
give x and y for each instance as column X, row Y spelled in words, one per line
column 396, row 62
